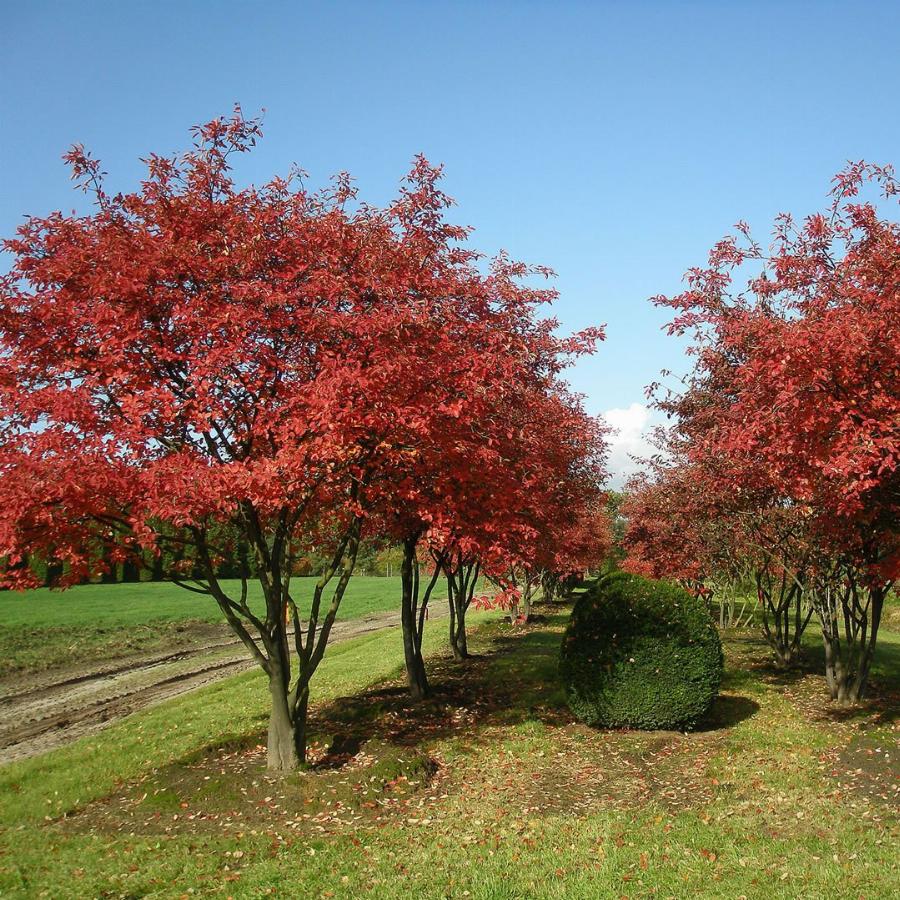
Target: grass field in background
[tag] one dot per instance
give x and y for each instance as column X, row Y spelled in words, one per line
column 44, row 628
column 775, row 796
column 162, row 601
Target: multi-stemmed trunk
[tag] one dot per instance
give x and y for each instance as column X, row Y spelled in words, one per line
column 730, row 615
column 521, row 611
column 285, row 747
column 286, row 743
column 850, row 616
column 522, row 585
column 288, row 659
column 459, row 642
column 53, row 572
column 724, row 598
column 462, row 577
column 131, row 571
column 783, row 616
column 157, row 567
column 413, row 614
column 551, row 586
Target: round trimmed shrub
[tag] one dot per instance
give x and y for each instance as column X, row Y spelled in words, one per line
column 640, row 654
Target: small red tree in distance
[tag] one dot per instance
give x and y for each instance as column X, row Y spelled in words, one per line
column 557, row 465
column 489, row 484
column 663, row 536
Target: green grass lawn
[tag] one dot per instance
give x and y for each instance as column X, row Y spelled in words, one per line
column 162, row 601
column 488, row 790
column 41, row 629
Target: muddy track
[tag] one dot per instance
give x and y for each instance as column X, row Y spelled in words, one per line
column 43, row 713
column 51, row 682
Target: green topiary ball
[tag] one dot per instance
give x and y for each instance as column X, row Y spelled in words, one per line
column 640, row 654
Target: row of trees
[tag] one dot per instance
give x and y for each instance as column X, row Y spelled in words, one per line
column 194, row 368
column 375, row 557
column 782, row 466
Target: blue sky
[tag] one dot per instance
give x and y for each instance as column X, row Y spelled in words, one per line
column 612, row 141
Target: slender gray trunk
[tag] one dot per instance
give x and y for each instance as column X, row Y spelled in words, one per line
column 458, row 640
column 462, row 578
column 784, row 619
column 850, row 626
column 413, row 613
column 416, row 677
column 274, row 648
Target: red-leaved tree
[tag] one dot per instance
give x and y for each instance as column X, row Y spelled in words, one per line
column 797, row 377
column 520, row 458
column 195, row 359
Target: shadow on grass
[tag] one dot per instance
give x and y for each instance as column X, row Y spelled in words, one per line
column 726, row 712
column 514, row 680
column 510, row 679
column 373, row 751
column 806, row 678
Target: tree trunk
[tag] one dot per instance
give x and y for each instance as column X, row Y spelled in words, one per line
column 53, row 572
column 283, row 754
column 462, row 580
column 458, row 640
column 526, row 600
column 301, row 722
column 551, row 587
column 288, row 719
column 130, row 571
column 452, row 606
column 243, row 559
column 786, row 657
column 416, row 678
column 156, row 568
column 837, row 674
column 783, row 619
column 271, row 648
column 110, row 570
column 848, row 657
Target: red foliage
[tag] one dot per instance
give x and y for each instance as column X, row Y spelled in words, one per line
column 297, row 365
column 798, row 375
column 193, row 347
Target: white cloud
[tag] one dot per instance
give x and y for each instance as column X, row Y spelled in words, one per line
column 630, row 436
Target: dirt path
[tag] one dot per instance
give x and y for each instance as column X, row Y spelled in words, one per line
column 41, row 713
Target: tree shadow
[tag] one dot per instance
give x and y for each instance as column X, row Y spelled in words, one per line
column 514, row 680
column 496, row 686
column 726, row 712
column 880, row 705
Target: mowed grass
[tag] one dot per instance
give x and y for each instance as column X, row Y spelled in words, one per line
column 489, row 790
column 162, row 601
column 45, row 628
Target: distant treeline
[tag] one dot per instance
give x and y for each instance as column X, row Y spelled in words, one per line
column 375, row 558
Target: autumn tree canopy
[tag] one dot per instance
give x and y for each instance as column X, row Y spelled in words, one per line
column 790, row 418
column 196, row 359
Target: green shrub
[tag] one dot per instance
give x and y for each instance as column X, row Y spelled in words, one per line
column 640, row 654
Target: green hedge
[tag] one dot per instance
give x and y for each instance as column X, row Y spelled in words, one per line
column 640, row 654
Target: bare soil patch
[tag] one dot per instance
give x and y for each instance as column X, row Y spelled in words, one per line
column 43, row 711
